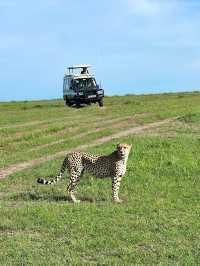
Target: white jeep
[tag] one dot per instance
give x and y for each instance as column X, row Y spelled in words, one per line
column 80, row 87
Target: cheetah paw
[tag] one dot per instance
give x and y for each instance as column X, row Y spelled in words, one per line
column 118, row 200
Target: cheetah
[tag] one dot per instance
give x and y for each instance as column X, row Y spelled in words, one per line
column 112, row 165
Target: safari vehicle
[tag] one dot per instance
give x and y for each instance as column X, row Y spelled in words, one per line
column 80, row 87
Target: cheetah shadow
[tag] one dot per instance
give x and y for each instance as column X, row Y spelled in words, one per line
column 34, row 196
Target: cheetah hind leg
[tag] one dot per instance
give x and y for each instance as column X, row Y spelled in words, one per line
column 73, row 198
column 74, row 179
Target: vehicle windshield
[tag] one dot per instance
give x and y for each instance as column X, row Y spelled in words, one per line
column 83, row 84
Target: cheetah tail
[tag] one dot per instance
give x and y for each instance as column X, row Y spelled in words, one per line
column 54, row 179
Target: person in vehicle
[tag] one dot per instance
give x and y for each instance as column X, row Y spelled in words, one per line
column 84, row 71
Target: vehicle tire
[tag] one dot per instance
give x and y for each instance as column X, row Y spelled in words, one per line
column 68, row 103
column 77, row 104
column 100, row 102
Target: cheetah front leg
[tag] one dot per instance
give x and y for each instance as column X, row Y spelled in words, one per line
column 115, row 189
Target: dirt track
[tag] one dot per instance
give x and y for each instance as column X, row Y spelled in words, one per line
column 21, row 166
column 114, row 123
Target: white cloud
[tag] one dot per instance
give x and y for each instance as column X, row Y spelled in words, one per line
column 144, row 7
column 165, row 23
column 150, row 8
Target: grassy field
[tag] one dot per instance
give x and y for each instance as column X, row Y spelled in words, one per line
column 158, row 221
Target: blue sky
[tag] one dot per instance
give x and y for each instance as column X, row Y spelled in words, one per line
column 134, row 46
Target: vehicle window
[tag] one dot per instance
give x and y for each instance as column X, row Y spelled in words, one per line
column 93, row 82
column 82, row 84
column 65, row 84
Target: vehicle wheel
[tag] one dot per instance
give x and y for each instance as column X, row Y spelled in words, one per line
column 68, row 103
column 100, row 102
column 77, row 104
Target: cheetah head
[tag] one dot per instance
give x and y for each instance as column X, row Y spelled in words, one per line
column 123, row 150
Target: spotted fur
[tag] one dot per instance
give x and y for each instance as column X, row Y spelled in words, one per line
column 112, row 165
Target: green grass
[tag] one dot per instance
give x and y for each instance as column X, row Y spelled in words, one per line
column 158, row 222
column 191, row 118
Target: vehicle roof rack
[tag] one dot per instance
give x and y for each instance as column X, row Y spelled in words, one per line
column 79, row 66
